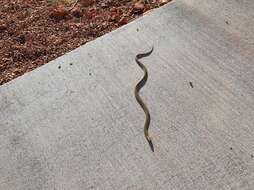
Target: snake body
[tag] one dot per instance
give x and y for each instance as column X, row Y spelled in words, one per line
column 140, row 84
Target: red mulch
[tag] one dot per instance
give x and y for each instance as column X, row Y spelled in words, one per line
column 34, row 32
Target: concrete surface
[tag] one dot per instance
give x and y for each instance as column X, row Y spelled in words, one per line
column 79, row 127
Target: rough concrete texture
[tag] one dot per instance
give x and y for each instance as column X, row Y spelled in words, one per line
column 79, row 127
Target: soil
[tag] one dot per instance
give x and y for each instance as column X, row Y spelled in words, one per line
column 34, row 32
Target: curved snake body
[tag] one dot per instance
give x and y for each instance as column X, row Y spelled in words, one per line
column 140, row 84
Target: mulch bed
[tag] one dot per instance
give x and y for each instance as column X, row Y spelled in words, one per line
column 34, row 32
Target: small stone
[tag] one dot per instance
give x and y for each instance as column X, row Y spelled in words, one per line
column 139, row 7
column 103, row 5
column 3, row 25
column 163, row 2
column 58, row 13
column 123, row 21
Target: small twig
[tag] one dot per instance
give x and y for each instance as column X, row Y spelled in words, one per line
column 76, row 2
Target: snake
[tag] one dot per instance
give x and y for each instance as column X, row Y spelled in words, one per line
column 138, row 87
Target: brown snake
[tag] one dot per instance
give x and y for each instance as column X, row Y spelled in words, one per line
column 140, row 84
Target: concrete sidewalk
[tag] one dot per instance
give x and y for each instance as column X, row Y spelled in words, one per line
column 74, row 124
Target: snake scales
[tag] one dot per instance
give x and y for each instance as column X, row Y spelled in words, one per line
column 140, row 84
